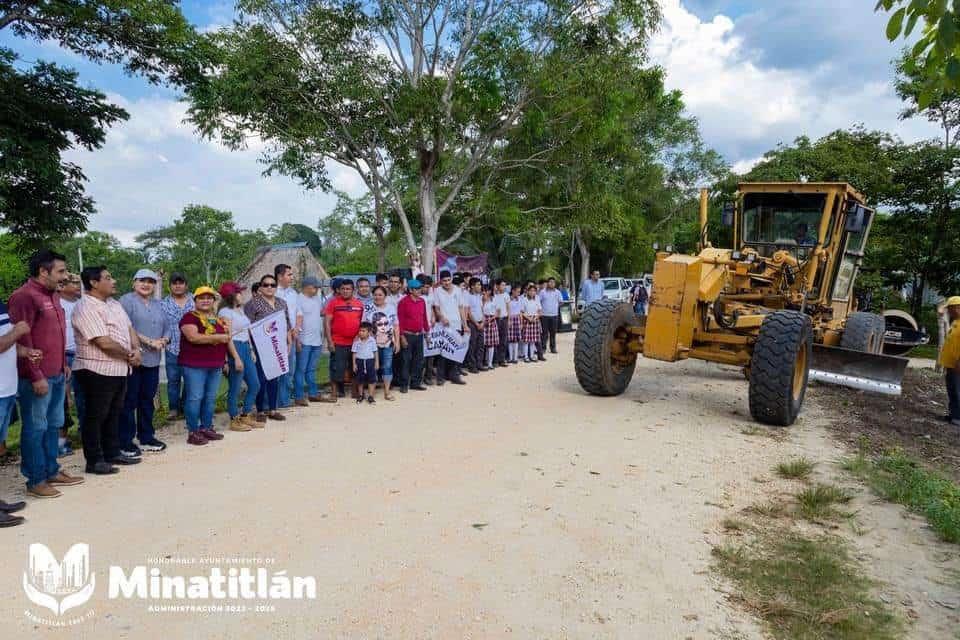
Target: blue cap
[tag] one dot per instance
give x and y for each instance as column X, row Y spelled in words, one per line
column 413, row 283
column 310, row 281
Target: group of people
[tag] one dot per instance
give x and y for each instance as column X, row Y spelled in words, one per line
column 109, row 351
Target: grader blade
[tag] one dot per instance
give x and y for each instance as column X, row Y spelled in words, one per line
column 858, row 370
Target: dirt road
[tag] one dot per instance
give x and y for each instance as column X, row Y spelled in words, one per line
column 513, row 507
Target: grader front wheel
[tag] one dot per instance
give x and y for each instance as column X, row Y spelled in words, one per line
column 601, row 360
column 779, row 368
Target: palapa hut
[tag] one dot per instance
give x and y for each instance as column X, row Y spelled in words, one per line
column 295, row 254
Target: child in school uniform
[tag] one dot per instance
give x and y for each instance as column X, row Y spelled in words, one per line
column 514, row 309
column 530, row 312
column 366, row 361
column 491, row 330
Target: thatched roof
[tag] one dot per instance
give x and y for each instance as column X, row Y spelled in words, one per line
column 295, row 254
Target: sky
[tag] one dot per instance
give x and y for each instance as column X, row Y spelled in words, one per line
column 755, row 73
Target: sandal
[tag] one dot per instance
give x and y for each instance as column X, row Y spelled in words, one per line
column 388, row 396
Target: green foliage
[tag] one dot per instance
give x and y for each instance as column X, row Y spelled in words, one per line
column 13, row 265
column 45, row 112
column 798, row 469
column 806, row 588
column 204, row 244
column 899, row 478
column 347, row 241
column 288, row 232
column 817, row 502
column 99, row 248
column 936, row 53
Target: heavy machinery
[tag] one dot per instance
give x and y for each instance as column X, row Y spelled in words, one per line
column 780, row 304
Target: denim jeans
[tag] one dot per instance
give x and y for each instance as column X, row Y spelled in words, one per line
column 200, row 396
column 6, row 412
column 137, row 417
column 306, row 373
column 248, row 375
column 267, row 396
column 386, row 363
column 285, row 382
column 40, row 418
column 78, row 399
column 953, row 393
column 174, row 383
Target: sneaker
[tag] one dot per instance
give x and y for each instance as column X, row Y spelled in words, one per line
column 7, row 520
column 102, row 469
column 210, row 434
column 124, row 460
column 359, row 399
column 133, row 452
column 249, row 419
column 238, row 424
column 43, row 490
column 371, row 400
column 196, row 438
column 153, row 445
column 65, row 479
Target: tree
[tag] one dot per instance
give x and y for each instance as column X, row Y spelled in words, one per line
column 943, row 108
column 921, row 237
column 13, row 265
column 203, row 243
column 936, row 54
column 292, row 232
column 456, row 78
column 44, row 112
column 97, row 247
column 349, row 243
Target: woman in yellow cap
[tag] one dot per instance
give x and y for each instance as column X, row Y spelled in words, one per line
column 203, row 352
column 950, row 360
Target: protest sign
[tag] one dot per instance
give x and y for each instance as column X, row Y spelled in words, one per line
column 269, row 336
column 443, row 341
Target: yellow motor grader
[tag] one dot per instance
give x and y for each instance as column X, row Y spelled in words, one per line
column 780, row 304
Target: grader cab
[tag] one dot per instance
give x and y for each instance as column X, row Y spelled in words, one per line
column 780, row 304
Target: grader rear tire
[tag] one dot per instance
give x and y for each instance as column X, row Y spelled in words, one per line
column 864, row 332
column 779, row 368
column 601, row 325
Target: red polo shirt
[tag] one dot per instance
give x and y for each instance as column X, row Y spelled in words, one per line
column 412, row 315
column 40, row 308
column 345, row 317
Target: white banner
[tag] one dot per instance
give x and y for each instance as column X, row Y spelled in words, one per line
column 270, row 339
column 442, row 341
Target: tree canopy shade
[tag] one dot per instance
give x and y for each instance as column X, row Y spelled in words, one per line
column 426, row 88
column 44, row 111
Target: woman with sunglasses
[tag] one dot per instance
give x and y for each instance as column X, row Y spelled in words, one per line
column 261, row 305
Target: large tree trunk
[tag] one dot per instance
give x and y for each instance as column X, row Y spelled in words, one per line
column 584, row 256
column 429, row 220
column 379, row 230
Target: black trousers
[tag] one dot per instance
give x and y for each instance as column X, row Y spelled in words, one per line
column 475, row 353
column 411, row 365
column 447, row 369
column 501, row 354
column 103, row 403
column 548, row 329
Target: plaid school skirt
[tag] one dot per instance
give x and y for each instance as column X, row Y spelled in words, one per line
column 513, row 329
column 491, row 332
column 531, row 331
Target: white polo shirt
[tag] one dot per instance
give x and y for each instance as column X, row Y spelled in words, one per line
column 449, row 304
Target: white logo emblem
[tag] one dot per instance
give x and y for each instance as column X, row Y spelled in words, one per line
column 58, row 586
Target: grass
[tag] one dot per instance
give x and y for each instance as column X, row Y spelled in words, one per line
column 924, row 351
column 817, row 503
column 799, row 469
column 767, row 509
column 805, row 588
column 898, row 478
column 160, row 416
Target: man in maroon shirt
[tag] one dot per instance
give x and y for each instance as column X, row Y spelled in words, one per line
column 412, row 317
column 42, row 381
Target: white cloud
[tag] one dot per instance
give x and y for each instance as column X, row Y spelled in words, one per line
column 746, row 106
column 154, row 164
